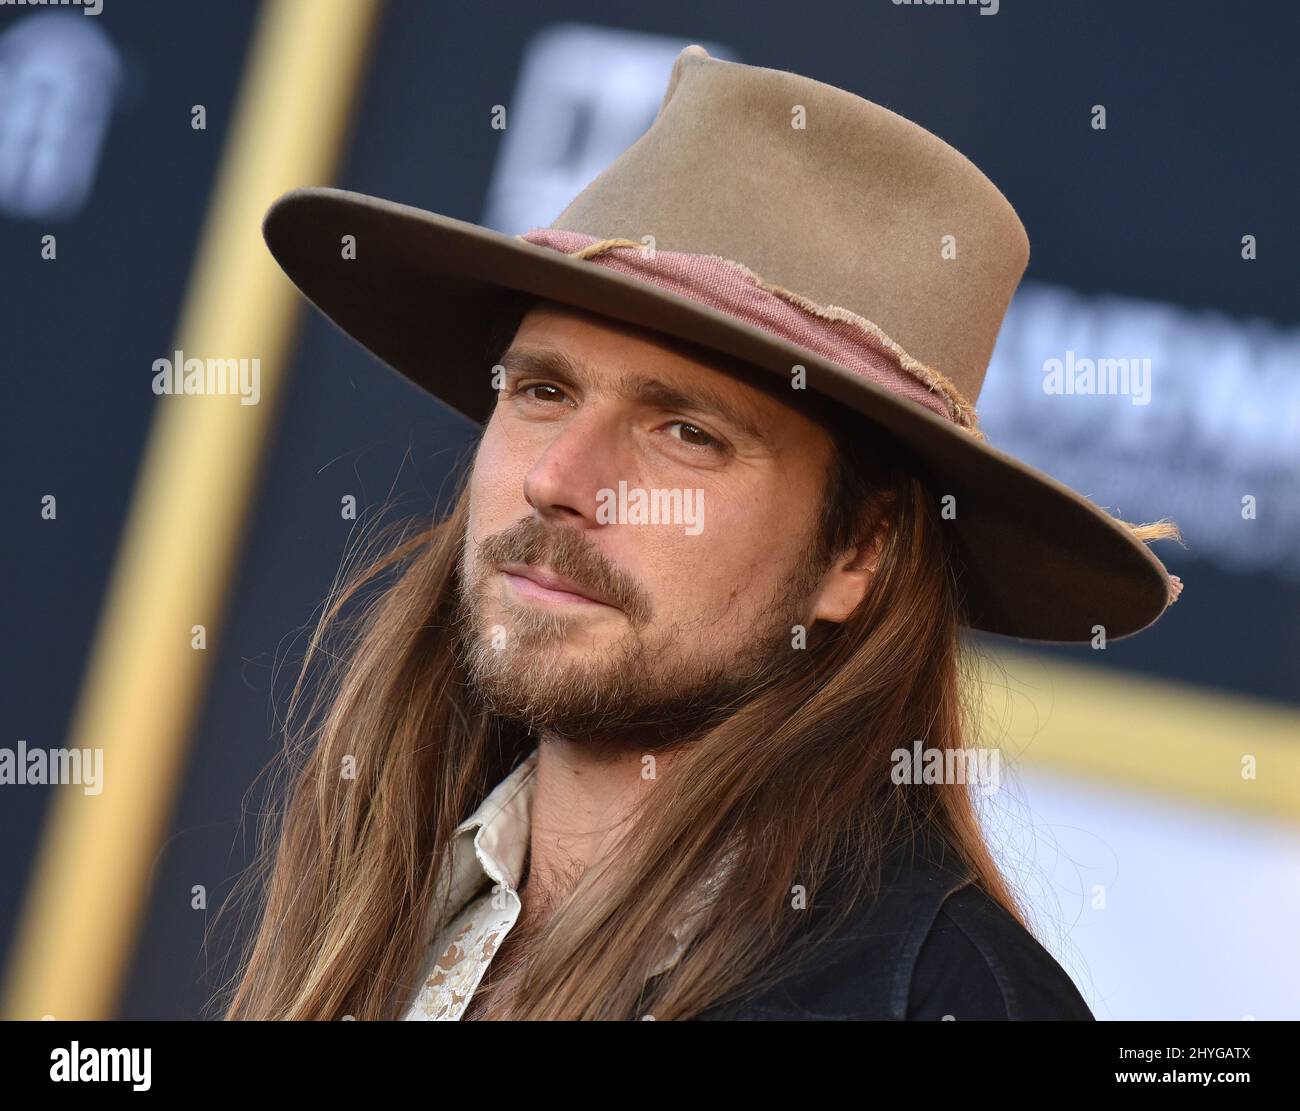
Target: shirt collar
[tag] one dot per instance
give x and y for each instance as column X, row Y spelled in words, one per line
column 492, row 845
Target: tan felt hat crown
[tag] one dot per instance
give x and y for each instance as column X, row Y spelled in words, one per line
column 783, row 222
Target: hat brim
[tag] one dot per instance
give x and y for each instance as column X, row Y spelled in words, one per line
column 1038, row 561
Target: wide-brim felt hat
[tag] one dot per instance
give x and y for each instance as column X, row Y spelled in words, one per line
column 788, row 224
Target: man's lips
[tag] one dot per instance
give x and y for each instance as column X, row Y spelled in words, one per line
column 538, row 582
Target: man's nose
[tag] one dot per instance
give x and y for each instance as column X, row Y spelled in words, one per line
column 588, row 454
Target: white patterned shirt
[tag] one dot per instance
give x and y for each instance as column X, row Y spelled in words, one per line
column 489, row 851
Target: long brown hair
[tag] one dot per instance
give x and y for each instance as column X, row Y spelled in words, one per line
column 388, row 751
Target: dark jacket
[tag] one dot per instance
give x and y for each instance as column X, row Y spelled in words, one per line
column 932, row 944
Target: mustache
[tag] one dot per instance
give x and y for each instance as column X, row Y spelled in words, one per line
column 566, row 552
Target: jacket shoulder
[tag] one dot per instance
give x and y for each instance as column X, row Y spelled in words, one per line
column 978, row 962
column 932, row 945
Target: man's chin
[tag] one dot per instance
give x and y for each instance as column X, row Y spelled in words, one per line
column 603, row 699
column 607, row 724
column 578, row 639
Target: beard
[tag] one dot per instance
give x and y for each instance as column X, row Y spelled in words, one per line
column 653, row 686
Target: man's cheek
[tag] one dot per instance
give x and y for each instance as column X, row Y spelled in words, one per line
column 692, row 580
column 494, row 495
column 493, row 457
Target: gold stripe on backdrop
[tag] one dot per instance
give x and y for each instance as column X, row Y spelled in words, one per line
column 144, row 682
column 1163, row 738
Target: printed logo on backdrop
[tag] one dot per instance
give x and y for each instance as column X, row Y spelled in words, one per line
column 584, row 95
column 1155, row 410
column 60, row 77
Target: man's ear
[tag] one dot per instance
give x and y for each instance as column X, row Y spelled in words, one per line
column 848, row 578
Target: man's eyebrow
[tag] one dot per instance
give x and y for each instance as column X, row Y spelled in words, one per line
column 549, row 361
column 698, row 397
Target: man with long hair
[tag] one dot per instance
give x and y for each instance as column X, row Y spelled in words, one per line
column 666, row 718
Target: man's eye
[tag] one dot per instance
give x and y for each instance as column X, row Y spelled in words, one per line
column 694, row 436
column 555, row 394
